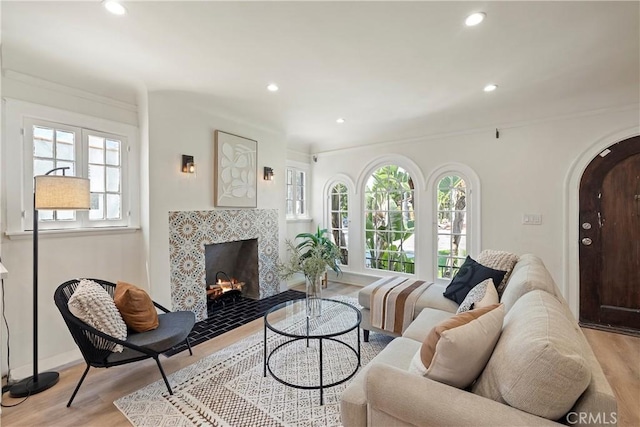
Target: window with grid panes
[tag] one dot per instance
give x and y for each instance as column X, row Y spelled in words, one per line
column 296, row 193
column 88, row 153
column 389, row 220
column 54, row 147
column 105, row 174
column 339, row 219
column 451, row 226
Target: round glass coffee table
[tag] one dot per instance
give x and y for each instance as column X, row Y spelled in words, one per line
column 312, row 353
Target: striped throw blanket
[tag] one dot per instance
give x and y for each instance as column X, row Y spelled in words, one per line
column 393, row 301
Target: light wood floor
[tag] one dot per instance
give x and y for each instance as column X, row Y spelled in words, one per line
column 619, row 356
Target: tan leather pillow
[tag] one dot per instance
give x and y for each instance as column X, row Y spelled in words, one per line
column 136, row 307
column 457, row 349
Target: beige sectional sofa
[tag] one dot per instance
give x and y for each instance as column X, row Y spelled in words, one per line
column 540, row 365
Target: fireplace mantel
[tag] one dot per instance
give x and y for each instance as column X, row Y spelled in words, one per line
column 189, row 231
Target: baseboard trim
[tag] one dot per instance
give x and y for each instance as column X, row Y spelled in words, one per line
column 345, row 278
column 613, row 329
column 57, row 362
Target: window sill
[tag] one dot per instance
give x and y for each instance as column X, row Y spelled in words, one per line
column 294, row 220
column 374, row 272
column 3, row 271
column 44, row 234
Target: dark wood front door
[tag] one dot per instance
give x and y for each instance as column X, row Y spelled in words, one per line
column 610, row 238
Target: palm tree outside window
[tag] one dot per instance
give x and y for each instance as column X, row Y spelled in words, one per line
column 390, row 220
column 451, row 225
column 339, row 219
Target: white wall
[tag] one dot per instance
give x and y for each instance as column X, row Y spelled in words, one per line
column 143, row 120
column 61, row 256
column 297, row 226
column 3, row 330
column 524, row 171
column 180, row 123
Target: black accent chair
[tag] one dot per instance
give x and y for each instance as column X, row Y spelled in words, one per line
column 174, row 329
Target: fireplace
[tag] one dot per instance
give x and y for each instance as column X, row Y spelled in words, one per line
column 233, row 266
column 190, row 232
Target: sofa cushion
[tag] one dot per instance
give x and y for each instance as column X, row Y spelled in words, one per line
column 482, row 295
column 173, row 329
column 456, row 350
column 92, row 304
column 433, row 298
column 353, row 403
column 538, row 365
column 425, row 322
column 470, row 274
column 499, row 260
column 598, row 397
column 136, row 307
column 529, row 274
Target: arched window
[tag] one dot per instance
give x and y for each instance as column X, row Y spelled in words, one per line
column 451, row 224
column 389, row 220
column 339, row 219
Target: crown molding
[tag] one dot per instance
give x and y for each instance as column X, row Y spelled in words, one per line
column 67, row 90
column 491, row 129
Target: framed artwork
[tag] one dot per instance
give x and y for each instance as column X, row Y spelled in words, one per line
column 235, row 180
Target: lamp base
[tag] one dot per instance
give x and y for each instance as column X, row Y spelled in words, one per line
column 28, row 386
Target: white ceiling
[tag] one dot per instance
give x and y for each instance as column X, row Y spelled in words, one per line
column 393, row 70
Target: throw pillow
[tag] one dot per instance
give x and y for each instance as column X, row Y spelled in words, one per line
column 456, row 350
column 541, row 365
column 470, row 274
column 499, row 260
column 482, row 295
column 92, row 304
column 136, row 307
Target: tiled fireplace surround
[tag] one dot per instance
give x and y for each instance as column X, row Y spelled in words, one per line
column 190, row 231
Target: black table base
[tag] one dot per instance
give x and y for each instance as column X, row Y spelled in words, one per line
column 320, row 338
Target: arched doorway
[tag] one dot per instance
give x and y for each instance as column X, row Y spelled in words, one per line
column 609, row 235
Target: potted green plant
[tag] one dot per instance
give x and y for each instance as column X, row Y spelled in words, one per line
column 312, row 256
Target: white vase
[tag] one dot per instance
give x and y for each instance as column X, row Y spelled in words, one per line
column 314, row 296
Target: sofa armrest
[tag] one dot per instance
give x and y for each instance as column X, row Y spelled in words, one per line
column 396, row 397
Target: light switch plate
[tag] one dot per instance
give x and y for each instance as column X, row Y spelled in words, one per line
column 531, row 219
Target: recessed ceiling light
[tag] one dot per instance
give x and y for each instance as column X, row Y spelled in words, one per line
column 475, row 19
column 340, row 120
column 114, row 7
column 273, row 87
column 490, row 87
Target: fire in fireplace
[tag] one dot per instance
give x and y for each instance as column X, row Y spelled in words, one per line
column 224, row 287
column 232, row 268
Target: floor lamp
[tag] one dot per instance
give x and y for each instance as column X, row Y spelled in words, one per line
column 53, row 192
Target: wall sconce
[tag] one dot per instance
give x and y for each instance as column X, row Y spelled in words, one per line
column 268, row 173
column 187, row 164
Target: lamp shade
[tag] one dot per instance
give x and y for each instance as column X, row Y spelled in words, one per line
column 61, row 192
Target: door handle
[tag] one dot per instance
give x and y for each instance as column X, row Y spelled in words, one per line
column 586, row 241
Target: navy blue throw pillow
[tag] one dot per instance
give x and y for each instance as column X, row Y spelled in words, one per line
column 470, row 274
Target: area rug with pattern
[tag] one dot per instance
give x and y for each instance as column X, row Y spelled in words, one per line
column 227, row 388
